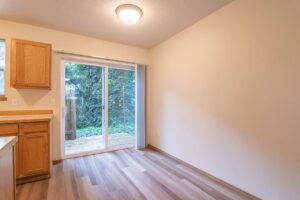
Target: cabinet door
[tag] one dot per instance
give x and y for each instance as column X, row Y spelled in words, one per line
column 12, row 130
column 7, row 182
column 30, row 64
column 17, row 154
column 35, row 153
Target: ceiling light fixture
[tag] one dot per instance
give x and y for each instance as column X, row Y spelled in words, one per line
column 129, row 13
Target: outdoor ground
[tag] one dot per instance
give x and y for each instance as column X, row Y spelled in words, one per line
column 92, row 143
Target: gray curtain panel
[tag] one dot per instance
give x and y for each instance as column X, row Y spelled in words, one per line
column 141, row 107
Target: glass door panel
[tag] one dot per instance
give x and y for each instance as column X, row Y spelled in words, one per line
column 121, row 107
column 84, row 91
column 100, row 107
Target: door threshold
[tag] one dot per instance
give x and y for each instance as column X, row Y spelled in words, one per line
column 108, row 149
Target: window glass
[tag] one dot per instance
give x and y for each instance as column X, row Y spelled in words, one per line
column 2, row 66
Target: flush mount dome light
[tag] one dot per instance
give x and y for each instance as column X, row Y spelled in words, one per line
column 129, row 13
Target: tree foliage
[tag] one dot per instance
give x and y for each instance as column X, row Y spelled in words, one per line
column 88, row 85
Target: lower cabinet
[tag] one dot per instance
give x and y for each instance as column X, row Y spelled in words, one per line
column 17, row 157
column 35, row 154
column 32, row 150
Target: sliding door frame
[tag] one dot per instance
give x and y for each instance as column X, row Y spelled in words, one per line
column 104, row 65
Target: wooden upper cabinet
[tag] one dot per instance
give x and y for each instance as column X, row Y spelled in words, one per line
column 30, row 64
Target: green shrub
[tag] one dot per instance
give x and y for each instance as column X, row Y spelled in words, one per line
column 93, row 131
column 88, row 131
column 87, row 82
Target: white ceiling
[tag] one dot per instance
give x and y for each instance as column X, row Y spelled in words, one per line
column 96, row 18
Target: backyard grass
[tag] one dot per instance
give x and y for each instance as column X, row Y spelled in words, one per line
column 93, row 131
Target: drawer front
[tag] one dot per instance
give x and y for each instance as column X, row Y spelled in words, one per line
column 8, row 129
column 35, row 127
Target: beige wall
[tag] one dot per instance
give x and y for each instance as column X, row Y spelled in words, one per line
column 45, row 99
column 224, row 96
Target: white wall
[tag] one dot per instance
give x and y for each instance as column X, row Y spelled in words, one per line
column 19, row 99
column 224, row 96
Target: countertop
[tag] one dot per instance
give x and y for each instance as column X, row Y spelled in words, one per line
column 6, row 143
column 25, row 118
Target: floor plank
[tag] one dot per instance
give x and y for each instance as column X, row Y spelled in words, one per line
column 127, row 175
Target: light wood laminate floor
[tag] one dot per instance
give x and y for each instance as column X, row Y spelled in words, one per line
column 127, row 175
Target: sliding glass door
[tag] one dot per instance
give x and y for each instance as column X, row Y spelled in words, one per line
column 83, row 102
column 99, row 107
column 121, row 107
